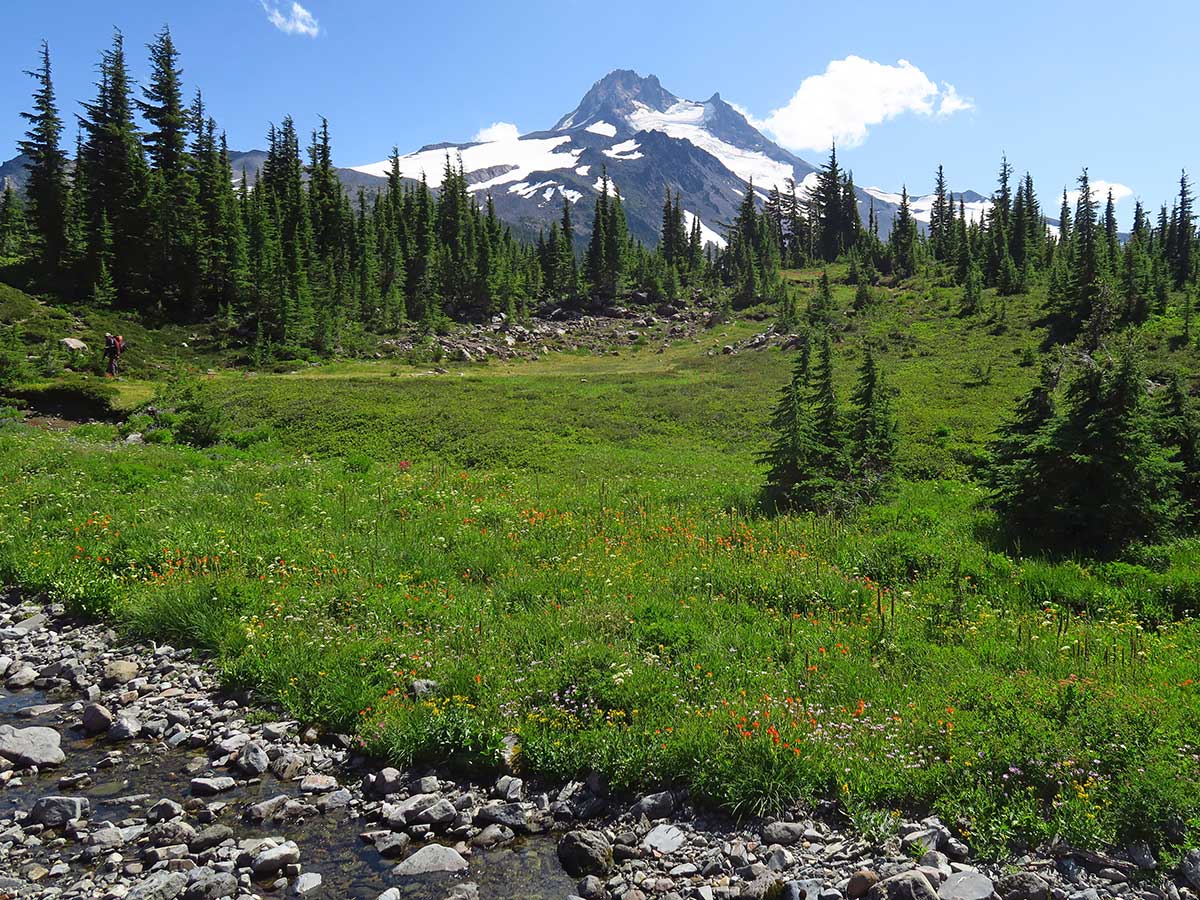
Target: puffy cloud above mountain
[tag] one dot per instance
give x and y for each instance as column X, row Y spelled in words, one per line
column 854, row 94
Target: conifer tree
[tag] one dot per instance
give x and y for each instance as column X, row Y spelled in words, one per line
column 874, row 432
column 46, row 191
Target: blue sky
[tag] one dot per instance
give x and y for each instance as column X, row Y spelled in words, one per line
column 1056, row 85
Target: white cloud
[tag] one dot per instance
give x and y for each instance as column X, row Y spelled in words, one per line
column 952, row 102
column 1100, row 191
column 497, row 131
column 299, row 21
column 851, row 95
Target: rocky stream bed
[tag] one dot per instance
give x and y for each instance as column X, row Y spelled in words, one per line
column 126, row 773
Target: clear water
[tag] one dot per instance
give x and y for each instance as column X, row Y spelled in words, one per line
column 329, row 844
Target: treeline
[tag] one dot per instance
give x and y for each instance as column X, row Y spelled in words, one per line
column 149, row 216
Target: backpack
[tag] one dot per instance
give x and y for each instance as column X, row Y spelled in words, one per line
column 120, row 345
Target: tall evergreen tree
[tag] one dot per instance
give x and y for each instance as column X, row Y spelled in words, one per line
column 46, row 191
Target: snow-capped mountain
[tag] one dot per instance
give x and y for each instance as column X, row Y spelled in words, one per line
column 647, row 139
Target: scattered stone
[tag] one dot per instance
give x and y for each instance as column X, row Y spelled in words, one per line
column 159, row 886
column 207, row 787
column 33, row 746
column 273, row 859
column 664, row 839
column 252, row 758
column 784, row 833
column 318, row 784
column 212, row 886
column 860, row 883
column 96, row 718
column 584, row 852
column 904, row 886
column 430, row 859
column 1022, row 886
column 125, row 728
column 55, row 812
column 655, row 806
column 966, row 886
column 118, row 672
column 306, row 884
column 1189, row 867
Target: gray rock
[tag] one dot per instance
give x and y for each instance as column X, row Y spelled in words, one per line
column 468, row 891
column 252, row 758
column 55, row 812
column 125, row 728
column 210, row 837
column 1022, row 886
column 967, row 886
column 162, row 810
column 21, row 678
column 318, row 784
column 664, row 839
column 809, row 889
column 33, row 623
column 96, row 718
column 1189, row 868
column 430, row 859
column 306, row 884
column 1142, row 856
column 655, row 806
column 393, row 844
column 493, row 835
column 438, row 815
column 212, row 886
column 784, row 833
column 591, row 888
column 764, row 887
column 423, row 687
column 386, row 781
column 511, row 815
column 118, row 672
column 34, row 746
column 920, row 841
column 272, row 859
column 207, row 787
column 159, row 886
column 904, row 886
column 584, row 852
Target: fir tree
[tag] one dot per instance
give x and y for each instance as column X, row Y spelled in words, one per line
column 46, row 191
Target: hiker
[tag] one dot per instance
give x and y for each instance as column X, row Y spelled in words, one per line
column 114, row 346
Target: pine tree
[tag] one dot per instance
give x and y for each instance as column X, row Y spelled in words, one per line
column 117, row 179
column 46, row 191
column 903, row 240
column 788, row 457
column 874, row 433
column 941, row 218
column 1182, row 246
column 173, row 209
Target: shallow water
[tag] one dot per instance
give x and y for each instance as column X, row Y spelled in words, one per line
column 329, row 844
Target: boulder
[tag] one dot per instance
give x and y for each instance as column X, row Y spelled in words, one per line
column 583, row 852
column 212, row 886
column 75, row 345
column 159, row 886
column 35, row 746
column 55, row 812
column 432, row 858
column 252, row 758
column 904, row 886
column 272, row 859
column 118, row 672
column 784, row 833
column 96, row 718
column 967, row 886
column 1189, row 868
column 1022, row 886
column 655, row 806
column 860, row 883
column 306, row 884
column 664, row 839
column 207, row 787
